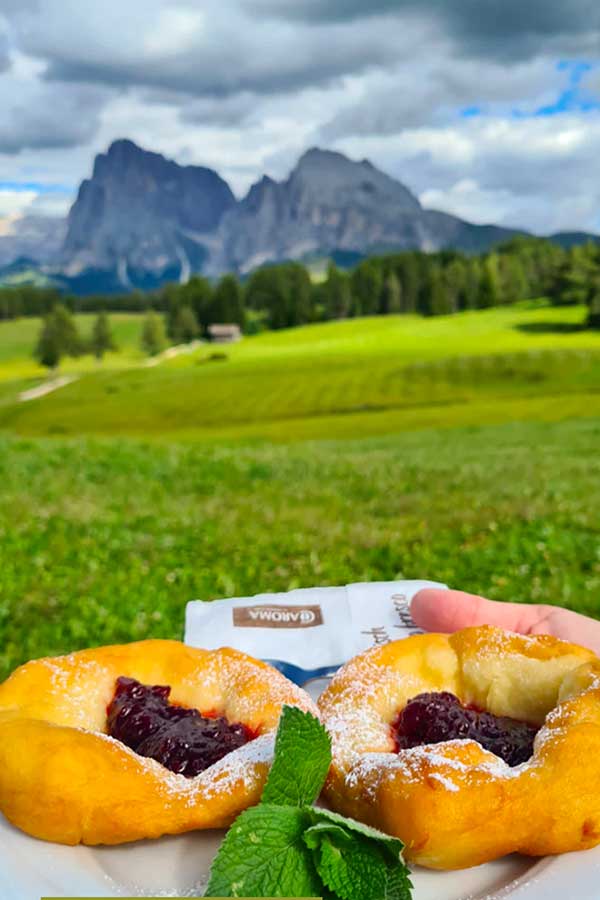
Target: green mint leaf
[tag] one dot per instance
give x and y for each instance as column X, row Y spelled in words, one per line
column 391, row 845
column 302, row 760
column 399, row 886
column 264, row 855
column 352, row 868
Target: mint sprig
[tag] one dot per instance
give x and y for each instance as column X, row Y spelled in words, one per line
column 302, row 760
column 285, row 847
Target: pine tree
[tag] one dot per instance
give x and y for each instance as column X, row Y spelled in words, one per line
column 153, row 339
column 574, row 278
column 366, row 283
column 391, row 294
column 102, row 339
column 68, row 333
column 489, row 286
column 410, row 277
column 337, row 293
column 185, row 327
column 49, row 349
column 198, row 294
column 228, row 302
column 58, row 337
column 593, row 320
column 439, row 301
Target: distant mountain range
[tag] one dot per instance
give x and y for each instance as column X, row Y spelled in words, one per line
column 142, row 220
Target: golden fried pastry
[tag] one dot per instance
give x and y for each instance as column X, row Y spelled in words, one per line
column 136, row 741
column 469, row 746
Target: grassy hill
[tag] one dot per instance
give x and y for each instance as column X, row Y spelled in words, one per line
column 18, row 339
column 340, row 379
column 166, row 483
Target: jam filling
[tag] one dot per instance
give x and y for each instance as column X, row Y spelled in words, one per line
column 436, row 717
column 179, row 738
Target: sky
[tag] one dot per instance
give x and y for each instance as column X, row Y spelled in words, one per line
column 488, row 109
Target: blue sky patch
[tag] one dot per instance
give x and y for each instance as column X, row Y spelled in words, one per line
column 37, row 186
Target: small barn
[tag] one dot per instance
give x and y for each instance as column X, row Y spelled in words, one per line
column 224, row 334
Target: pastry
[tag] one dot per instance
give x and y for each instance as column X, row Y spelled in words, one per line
column 469, row 746
column 121, row 743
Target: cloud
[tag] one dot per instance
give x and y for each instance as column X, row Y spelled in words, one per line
column 528, row 170
column 483, row 107
column 214, row 50
column 504, row 29
column 38, row 115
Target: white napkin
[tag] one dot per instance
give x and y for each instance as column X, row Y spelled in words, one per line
column 310, row 632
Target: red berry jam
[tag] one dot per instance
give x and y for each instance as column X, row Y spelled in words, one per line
column 179, row 738
column 432, row 718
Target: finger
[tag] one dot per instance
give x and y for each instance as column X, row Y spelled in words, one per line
column 438, row 610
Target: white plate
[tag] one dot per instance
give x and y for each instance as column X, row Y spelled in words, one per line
column 178, row 867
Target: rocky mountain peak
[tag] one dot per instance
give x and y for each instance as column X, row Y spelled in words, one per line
column 144, row 216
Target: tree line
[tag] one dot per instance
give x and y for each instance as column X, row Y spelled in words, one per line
column 285, row 295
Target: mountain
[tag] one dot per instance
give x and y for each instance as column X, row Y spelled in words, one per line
column 331, row 205
column 142, row 218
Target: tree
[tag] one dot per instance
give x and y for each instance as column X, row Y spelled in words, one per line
column 439, row 302
column 58, row 337
column 185, row 327
column 489, row 286
column 391, row 294
column 102, row 339
column 68, row 333
column 455, row 274
column 153, row 339
column 48, row 350
column 593, row 320
column 228, row 302
column 574, row 278
column 409, row 273
column 366, row 282
column 337, row 295
column 472, row 284
column 198, row 294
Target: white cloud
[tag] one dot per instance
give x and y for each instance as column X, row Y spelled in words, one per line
column 245, row 86
column 15, row 203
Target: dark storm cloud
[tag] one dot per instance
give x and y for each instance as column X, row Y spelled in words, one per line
column 213, row 50
column 46, row 118
column 507, row 29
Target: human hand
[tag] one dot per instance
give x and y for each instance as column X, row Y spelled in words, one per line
column 434, row 609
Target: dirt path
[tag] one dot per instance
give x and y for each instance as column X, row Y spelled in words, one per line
column 47, row 387
column 169, row 353
column 63, row 380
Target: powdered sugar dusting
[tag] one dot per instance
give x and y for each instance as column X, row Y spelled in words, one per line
column 366, row 695
column 234, row 768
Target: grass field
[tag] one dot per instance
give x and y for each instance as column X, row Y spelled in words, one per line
column 463, row 449
column 106, row 540
column 343, row 379
column 18, row 339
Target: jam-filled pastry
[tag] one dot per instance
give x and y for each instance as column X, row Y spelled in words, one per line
column 121, row 743
column 469, row 746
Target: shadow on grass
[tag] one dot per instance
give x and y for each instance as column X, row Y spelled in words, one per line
column 550, row 327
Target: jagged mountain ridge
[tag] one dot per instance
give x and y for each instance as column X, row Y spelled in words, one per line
column 141, row 214
column 142, row 219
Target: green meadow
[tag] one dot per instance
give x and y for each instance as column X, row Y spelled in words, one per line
column 346, row 379
column 460, row 448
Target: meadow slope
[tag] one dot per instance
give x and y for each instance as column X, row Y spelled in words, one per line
column 340, row 379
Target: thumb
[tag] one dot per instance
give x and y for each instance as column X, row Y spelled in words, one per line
column 434, row 609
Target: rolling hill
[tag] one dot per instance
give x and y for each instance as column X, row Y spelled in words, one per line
column 348, row 378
